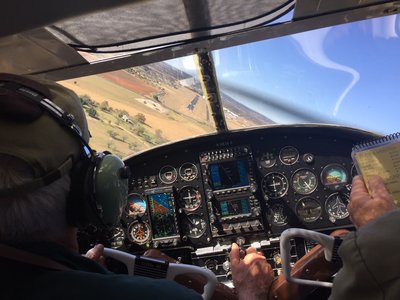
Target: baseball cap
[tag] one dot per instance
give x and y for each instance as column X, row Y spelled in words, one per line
column 50, row 138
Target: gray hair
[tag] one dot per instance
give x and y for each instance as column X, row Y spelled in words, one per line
column 35, row 216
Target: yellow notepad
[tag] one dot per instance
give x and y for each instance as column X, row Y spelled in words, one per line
column 380, row 157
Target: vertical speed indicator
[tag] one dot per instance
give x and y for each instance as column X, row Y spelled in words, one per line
column 308, row 209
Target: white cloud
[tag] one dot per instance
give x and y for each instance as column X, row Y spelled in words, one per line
column 384, row 27
column 312, row 45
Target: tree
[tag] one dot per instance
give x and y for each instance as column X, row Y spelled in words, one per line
column 104, row 106
column 133, row 146
column 93, row 113
column 86, row 100
column 122, row 112
column 112, row 133
column 141, row 118
column 148, row 139
column 139, row 130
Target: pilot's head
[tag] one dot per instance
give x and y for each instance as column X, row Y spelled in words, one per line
column 37, row 154
column 51, row 181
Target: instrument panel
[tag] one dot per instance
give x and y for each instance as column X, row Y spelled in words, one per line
column 247, row 186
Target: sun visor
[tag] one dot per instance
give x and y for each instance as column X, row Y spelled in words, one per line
column 35, row 51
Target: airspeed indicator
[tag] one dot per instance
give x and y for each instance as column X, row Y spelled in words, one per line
column 304, row 182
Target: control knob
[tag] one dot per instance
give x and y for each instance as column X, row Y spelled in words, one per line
column 256, row 211
column 253, row 187
column 226, row 266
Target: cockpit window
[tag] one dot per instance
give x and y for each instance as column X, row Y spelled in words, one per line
column 346, row 74
column 138, row 108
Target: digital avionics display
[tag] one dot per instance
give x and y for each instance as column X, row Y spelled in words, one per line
column 162, row 215
column 234, row 207
column 229, row 174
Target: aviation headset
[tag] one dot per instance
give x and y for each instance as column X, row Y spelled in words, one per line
column 99, row 181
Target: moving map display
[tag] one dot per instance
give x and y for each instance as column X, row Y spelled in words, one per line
column 162, row 215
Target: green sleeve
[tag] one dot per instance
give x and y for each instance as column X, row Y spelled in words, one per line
column 371, row 261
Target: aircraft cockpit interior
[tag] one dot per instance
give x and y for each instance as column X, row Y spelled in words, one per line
column 236, row 118
column 245, row 187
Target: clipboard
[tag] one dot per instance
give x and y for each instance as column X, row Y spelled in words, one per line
column 380, row 157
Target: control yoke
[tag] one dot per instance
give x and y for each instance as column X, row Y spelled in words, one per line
column 155, row 268
column 329, row 243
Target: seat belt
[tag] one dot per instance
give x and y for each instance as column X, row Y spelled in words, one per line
column 23, row 256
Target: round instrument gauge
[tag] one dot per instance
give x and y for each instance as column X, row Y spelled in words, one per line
column 277, row 215
column 139, row 232
column 274, row 185
column 136, row 206
column 194, row 226
column 168, row 174
column 267, row 160
column 334, row 176
column 308, row 209
column 289, row 155
column 189, row 198
column 304, row 181
column 336, row 207
column 188, row 172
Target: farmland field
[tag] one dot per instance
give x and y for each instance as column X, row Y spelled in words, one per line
column 136, row 109
column 164, row 118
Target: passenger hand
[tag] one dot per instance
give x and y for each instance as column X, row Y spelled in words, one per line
column 97, row 254
column 252, row 275
column 364, row 207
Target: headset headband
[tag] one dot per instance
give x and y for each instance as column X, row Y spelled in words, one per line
column 62, row 117
column 99, row 181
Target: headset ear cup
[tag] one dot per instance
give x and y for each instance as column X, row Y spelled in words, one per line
column 77, row 198
column 110, row 189
column 99, row 190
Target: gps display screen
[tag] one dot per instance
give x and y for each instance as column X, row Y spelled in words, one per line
column 230, row 174
column 234, row 207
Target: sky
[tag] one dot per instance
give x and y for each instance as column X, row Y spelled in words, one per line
column 347, row 74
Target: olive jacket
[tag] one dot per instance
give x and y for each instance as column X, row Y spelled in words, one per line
column 371, row 261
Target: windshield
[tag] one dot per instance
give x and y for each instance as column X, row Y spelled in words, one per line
column 347, row 75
